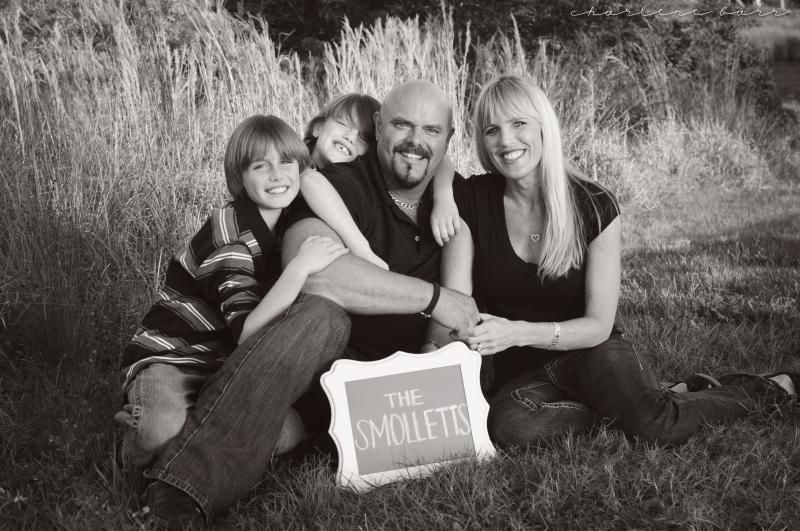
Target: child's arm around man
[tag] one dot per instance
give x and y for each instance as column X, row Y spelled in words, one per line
column 315, row 254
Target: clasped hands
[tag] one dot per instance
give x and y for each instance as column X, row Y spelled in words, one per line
column 485, row 333
column 489, row 336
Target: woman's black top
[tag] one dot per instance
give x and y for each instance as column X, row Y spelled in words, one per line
column 505, row 285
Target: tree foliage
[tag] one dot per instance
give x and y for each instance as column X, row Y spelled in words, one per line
column 305, row 27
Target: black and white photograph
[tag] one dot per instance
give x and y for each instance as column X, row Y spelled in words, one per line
column 399, row 264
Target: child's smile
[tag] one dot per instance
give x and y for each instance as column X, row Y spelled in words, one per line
column 337, row 141
column 272, row 181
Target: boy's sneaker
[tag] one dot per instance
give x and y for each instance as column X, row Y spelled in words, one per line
column 172, row 509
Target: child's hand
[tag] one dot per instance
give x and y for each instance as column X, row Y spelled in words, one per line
column 316, row 253
column 445, row 222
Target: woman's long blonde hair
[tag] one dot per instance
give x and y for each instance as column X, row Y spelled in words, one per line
column 563, row 246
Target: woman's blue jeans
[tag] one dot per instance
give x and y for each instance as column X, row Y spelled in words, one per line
column 611, row 382
column 227, row 440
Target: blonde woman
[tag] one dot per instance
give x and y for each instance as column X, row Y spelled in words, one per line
column 541, row 253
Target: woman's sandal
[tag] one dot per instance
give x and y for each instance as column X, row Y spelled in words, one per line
column 692, row 383
column 787, row 380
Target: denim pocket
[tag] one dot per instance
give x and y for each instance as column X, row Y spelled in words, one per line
column 551, row 368
column 135, row 394
column 536, row 412
column 133, row 455
column 541, row 395
column 530, row 396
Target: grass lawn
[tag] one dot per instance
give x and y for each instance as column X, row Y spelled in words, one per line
column 711, row 283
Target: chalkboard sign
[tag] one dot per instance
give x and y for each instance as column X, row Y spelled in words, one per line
column 407, row 414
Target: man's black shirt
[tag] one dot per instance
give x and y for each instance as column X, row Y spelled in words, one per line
column 409, row 249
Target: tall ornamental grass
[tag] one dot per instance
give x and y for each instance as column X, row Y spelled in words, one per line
column 114, row 133
column 393, row 51
column 115, row 136
column 114, row 130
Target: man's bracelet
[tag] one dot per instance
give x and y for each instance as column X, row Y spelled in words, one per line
column 426, row 313
column 556, row 336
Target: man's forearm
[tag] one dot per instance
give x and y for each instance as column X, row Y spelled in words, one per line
column 355, row 284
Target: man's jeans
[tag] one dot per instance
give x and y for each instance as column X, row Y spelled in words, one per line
column 611, row 382
column 227, row 440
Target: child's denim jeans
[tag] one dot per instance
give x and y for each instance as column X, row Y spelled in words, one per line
column 158, row 399
column 228, row 438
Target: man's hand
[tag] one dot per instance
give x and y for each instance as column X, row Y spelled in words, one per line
column 492, row 335
column 456, row 311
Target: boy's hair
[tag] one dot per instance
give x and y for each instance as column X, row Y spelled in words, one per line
column 253, row 139
column 358, row 109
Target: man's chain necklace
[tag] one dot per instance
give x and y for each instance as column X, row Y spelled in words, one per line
column 403, row 204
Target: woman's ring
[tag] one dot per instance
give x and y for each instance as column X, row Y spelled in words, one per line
column 478, row 347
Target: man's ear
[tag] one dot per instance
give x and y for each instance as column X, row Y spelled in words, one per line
column 315, row 129
column 378, row 124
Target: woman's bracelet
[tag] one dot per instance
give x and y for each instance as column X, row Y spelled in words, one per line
column 556, row 336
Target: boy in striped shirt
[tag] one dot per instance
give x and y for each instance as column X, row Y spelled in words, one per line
column 222, row 288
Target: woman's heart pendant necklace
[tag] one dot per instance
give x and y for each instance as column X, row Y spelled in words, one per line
column 535, row 237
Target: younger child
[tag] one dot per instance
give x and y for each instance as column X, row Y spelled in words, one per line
column 341, row 132
column 225, row 286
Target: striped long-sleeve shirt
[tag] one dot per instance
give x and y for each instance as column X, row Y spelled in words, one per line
column 210, row 288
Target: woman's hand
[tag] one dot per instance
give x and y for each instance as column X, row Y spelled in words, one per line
column 492, row 335
column 445, row 221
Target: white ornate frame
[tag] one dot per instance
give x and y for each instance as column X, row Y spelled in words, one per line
column 344, row 370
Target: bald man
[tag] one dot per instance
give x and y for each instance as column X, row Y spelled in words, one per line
column 413, row 129
column 389, row 194
column 228, row 439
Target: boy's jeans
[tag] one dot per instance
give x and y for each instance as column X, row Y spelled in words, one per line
column 158, row 400
column 611, row 381
column 228, row 438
